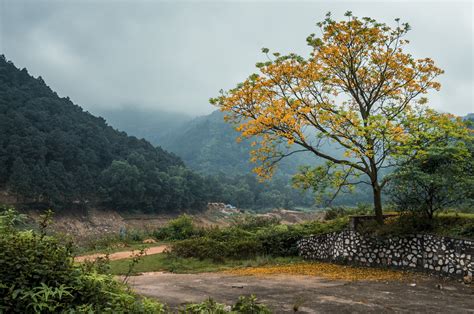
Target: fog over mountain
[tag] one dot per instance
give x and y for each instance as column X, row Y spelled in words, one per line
column 174, row 55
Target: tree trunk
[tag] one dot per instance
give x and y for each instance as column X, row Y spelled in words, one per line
column 378, row 203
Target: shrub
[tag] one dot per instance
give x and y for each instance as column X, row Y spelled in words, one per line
column 178, row 229
column 206, row 247
column 334, row 213
column 252, row 222
column 249, row 305
column 208, row 306
column 237, row 243
column 37, row 274
column 245, row 305
column 450, row 225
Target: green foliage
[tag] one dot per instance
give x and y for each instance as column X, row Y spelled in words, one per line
column 208, row 306
column 245, row 305
column 250, row 305
column 248, row 240
column 37, row 274
column 252, row 222
column 441, row 177
column 450, row 225
column 54, row 154
column 179, row 228
column 341, row 211
column 10, row 219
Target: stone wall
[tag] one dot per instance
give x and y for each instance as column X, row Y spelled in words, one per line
column 431, row 253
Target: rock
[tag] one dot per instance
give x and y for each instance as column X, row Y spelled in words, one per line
column 467, row 279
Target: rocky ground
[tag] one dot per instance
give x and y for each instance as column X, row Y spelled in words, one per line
column 310, row 294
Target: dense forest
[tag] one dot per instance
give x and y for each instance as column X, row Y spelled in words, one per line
column 54, row 154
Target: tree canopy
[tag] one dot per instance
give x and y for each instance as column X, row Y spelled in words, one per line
column 359, row 89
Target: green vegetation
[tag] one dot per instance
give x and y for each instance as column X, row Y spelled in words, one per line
column 178, row 229
column 209, row 145
column 53, row 154
column 251, row 237
column 37, row 275
column 450, row 225
column 440, row 178
column 245, row 305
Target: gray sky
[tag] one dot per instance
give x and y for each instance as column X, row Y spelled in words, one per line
column 175, row 55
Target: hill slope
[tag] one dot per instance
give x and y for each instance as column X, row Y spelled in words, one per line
column 53, row 153
column 208, row 144
column 153, row 125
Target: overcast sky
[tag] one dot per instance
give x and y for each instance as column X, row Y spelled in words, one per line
column 175, row 55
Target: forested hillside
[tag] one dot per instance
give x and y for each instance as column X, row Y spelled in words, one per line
column 208, row 145
column 54, row 154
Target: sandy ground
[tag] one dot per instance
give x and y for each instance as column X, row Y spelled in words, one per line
column 121, row 255
column 310, row 294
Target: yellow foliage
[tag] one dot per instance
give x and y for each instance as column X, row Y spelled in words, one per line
column 325, row 270
column 358, row 89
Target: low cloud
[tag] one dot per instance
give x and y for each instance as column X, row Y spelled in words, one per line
column 173, row 56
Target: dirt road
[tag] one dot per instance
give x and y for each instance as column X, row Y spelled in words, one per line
column 121, row 255
column 310, row 294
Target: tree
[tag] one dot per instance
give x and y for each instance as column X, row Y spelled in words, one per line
column 441, row 177
column 358, row 90
column 20, row 181
column 121, row 185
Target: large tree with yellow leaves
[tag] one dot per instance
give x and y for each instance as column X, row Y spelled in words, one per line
column 358, row 90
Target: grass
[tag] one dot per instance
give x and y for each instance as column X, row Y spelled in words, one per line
column 170, row 263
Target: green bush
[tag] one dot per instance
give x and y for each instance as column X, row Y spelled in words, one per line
column 236, row 242
column 206, row 247
column 245, row 305
column 451, row 225
column 178, row 229
column 37, row 274
column 252, row 222
column 208, row 306
column 250, row 305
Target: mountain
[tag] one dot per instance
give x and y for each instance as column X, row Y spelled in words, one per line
column 53, row 153
column 209, row 145
column 153, row 125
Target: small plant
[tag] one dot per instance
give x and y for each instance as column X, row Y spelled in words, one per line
column 208, row 306
column 250, row 305
column 9, row 219
column 100, row 265
column 136, row 258
column 45, row 221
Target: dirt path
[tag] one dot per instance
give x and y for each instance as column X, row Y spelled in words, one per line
column 121, row 255
column 309, row 293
